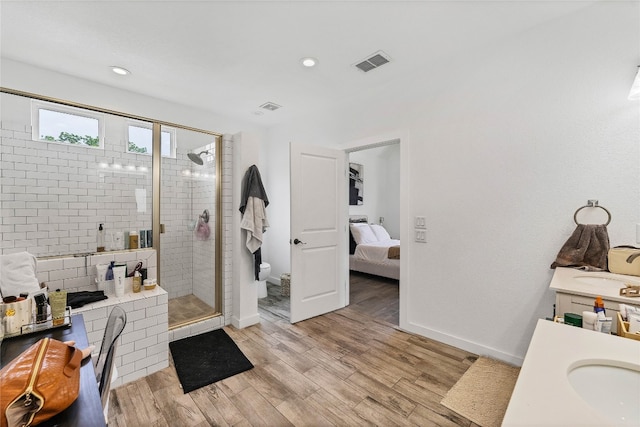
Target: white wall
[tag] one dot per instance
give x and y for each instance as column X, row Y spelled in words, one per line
column 20, row 76
column 246, row 149
column 499, row 156
column 381, row 186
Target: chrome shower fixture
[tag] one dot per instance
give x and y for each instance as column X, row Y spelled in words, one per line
column 195, row 158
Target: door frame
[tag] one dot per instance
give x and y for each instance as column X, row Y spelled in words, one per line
column 401, row 137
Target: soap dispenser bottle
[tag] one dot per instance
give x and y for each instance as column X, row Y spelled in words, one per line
column 100, row 239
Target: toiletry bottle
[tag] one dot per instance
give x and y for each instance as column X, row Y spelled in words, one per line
column 100, row 239
column 119, row 274
column 133, row 240
column 598, row 306
column 137, row 281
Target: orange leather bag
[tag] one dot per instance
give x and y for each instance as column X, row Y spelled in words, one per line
column 38, row 384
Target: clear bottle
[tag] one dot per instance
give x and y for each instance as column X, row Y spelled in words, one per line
column 100, row 239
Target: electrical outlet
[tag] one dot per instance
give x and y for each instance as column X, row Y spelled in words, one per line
column 420, row 222
column 421, row 235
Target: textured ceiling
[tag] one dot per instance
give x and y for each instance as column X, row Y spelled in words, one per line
column 231, row 57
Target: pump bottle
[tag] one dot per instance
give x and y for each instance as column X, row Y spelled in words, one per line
column 100, row 239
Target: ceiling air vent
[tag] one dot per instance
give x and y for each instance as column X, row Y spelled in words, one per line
column 373, row 61
column 270, row 106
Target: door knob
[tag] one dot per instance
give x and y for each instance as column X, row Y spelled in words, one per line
column 298, row 242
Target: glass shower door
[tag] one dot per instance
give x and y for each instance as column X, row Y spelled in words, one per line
column 188, row 199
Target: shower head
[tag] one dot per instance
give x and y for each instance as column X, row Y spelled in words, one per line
column 195, row 158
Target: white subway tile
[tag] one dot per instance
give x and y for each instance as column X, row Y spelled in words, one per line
column 133, row 336
column 133, row 357
column 63, row 274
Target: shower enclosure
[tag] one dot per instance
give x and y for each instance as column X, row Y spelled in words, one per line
column 66, row 168
column 189, row 209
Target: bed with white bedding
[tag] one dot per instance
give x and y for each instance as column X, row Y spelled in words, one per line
column 372, row 250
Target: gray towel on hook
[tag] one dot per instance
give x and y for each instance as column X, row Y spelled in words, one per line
column 587, row 248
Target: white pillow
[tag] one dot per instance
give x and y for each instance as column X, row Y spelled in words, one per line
column 380, row 232
column 362, row 233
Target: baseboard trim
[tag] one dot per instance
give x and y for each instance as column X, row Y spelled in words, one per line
column 463, row 344
column 246, row 322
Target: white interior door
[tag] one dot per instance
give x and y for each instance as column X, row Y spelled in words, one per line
column 318, row 231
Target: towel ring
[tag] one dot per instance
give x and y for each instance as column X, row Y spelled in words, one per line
column 592, row 204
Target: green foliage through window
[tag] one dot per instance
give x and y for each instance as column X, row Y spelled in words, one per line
column 133, row 148
column 72, row 138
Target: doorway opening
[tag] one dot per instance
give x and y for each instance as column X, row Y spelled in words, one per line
column 369, row 291
column 374, row 257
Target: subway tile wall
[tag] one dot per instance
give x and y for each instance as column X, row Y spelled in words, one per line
column 75, row 274
column 177, row 240
column 228, row 211
column 203, row 197
column 144, row 344
column 143, row 347
column 54, row 195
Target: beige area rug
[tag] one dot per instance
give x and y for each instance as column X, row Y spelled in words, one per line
column 483, row 392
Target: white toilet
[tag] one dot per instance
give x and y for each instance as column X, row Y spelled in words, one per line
column 265, row 271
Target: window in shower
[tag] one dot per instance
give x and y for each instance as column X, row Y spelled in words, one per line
column 67, row 125
column 140, row 139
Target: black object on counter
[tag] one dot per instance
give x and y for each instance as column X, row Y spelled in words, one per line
column 79, row 299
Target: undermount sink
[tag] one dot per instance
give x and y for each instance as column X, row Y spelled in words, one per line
column 611, row 390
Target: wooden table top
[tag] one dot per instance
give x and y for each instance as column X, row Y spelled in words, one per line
column 86, row 411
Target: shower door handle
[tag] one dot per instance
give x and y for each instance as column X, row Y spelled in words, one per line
column 298, row 242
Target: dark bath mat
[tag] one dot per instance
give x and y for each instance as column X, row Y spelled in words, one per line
column 206, row 358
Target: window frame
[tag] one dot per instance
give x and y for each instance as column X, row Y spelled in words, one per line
column 37, row 105
column 147, row 125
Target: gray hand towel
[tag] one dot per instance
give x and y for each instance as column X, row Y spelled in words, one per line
column 587, row 248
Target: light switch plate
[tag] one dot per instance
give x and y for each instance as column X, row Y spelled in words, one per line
column 420, row 222
column 421, row 235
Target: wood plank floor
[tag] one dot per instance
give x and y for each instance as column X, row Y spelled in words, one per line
column 378, row 297
column 341, row 369
column 375, row 296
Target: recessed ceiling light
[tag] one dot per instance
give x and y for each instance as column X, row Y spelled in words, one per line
column 309, row 62
column 121, row 71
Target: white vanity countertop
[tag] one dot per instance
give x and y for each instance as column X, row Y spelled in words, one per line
column 593, row 283
column 543, row 395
